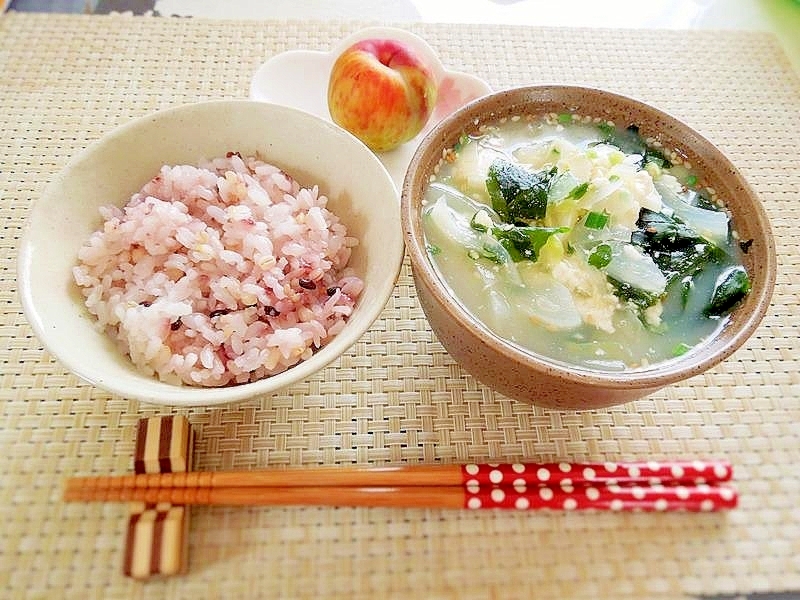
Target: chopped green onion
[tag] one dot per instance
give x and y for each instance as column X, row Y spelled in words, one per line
column 477, row 225
column 473, row 254
column 613, row 177
column 493, row 254
column 565, row 118
column 601, row 256
column 681, row 349
column 433, row 249
column 596, row 220
column 691, row 180
column 579, row 191
column 462, row 141
column 607, row 129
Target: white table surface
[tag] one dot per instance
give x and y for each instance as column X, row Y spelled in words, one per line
column 781, row 17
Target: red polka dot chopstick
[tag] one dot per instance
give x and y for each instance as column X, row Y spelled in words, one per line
column 615, row 486
column 610, row 473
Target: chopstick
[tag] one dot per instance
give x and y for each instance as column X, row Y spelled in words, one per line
column 652, row 472
column 647, row 497
column 650, row 486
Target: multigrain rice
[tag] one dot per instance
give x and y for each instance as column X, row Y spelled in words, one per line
column 219, row 274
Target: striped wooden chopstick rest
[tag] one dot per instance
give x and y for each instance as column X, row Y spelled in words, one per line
column 157, row 536
column 155, row 544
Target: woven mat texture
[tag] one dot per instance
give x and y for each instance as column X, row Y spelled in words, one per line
column 397, row 396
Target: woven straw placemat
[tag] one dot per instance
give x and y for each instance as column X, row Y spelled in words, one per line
column 396, row 396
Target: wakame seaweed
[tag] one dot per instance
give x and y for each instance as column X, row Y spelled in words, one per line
column 676, row 248
column 731, row 287
column 680, row 252
column 518, row 195
column 628, row 293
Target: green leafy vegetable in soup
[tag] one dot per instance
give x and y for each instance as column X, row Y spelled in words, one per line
column 518, row 193
column 582, row 243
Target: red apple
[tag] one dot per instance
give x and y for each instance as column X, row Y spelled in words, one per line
column 381, row 92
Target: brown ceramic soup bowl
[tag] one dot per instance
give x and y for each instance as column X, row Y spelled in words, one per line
column 538, row 379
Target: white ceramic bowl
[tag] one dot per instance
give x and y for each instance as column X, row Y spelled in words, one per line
column 311, row 149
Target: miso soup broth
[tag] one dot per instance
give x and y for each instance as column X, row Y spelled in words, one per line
column 579, row 241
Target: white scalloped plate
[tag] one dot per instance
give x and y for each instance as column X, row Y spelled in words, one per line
column 299, row 78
